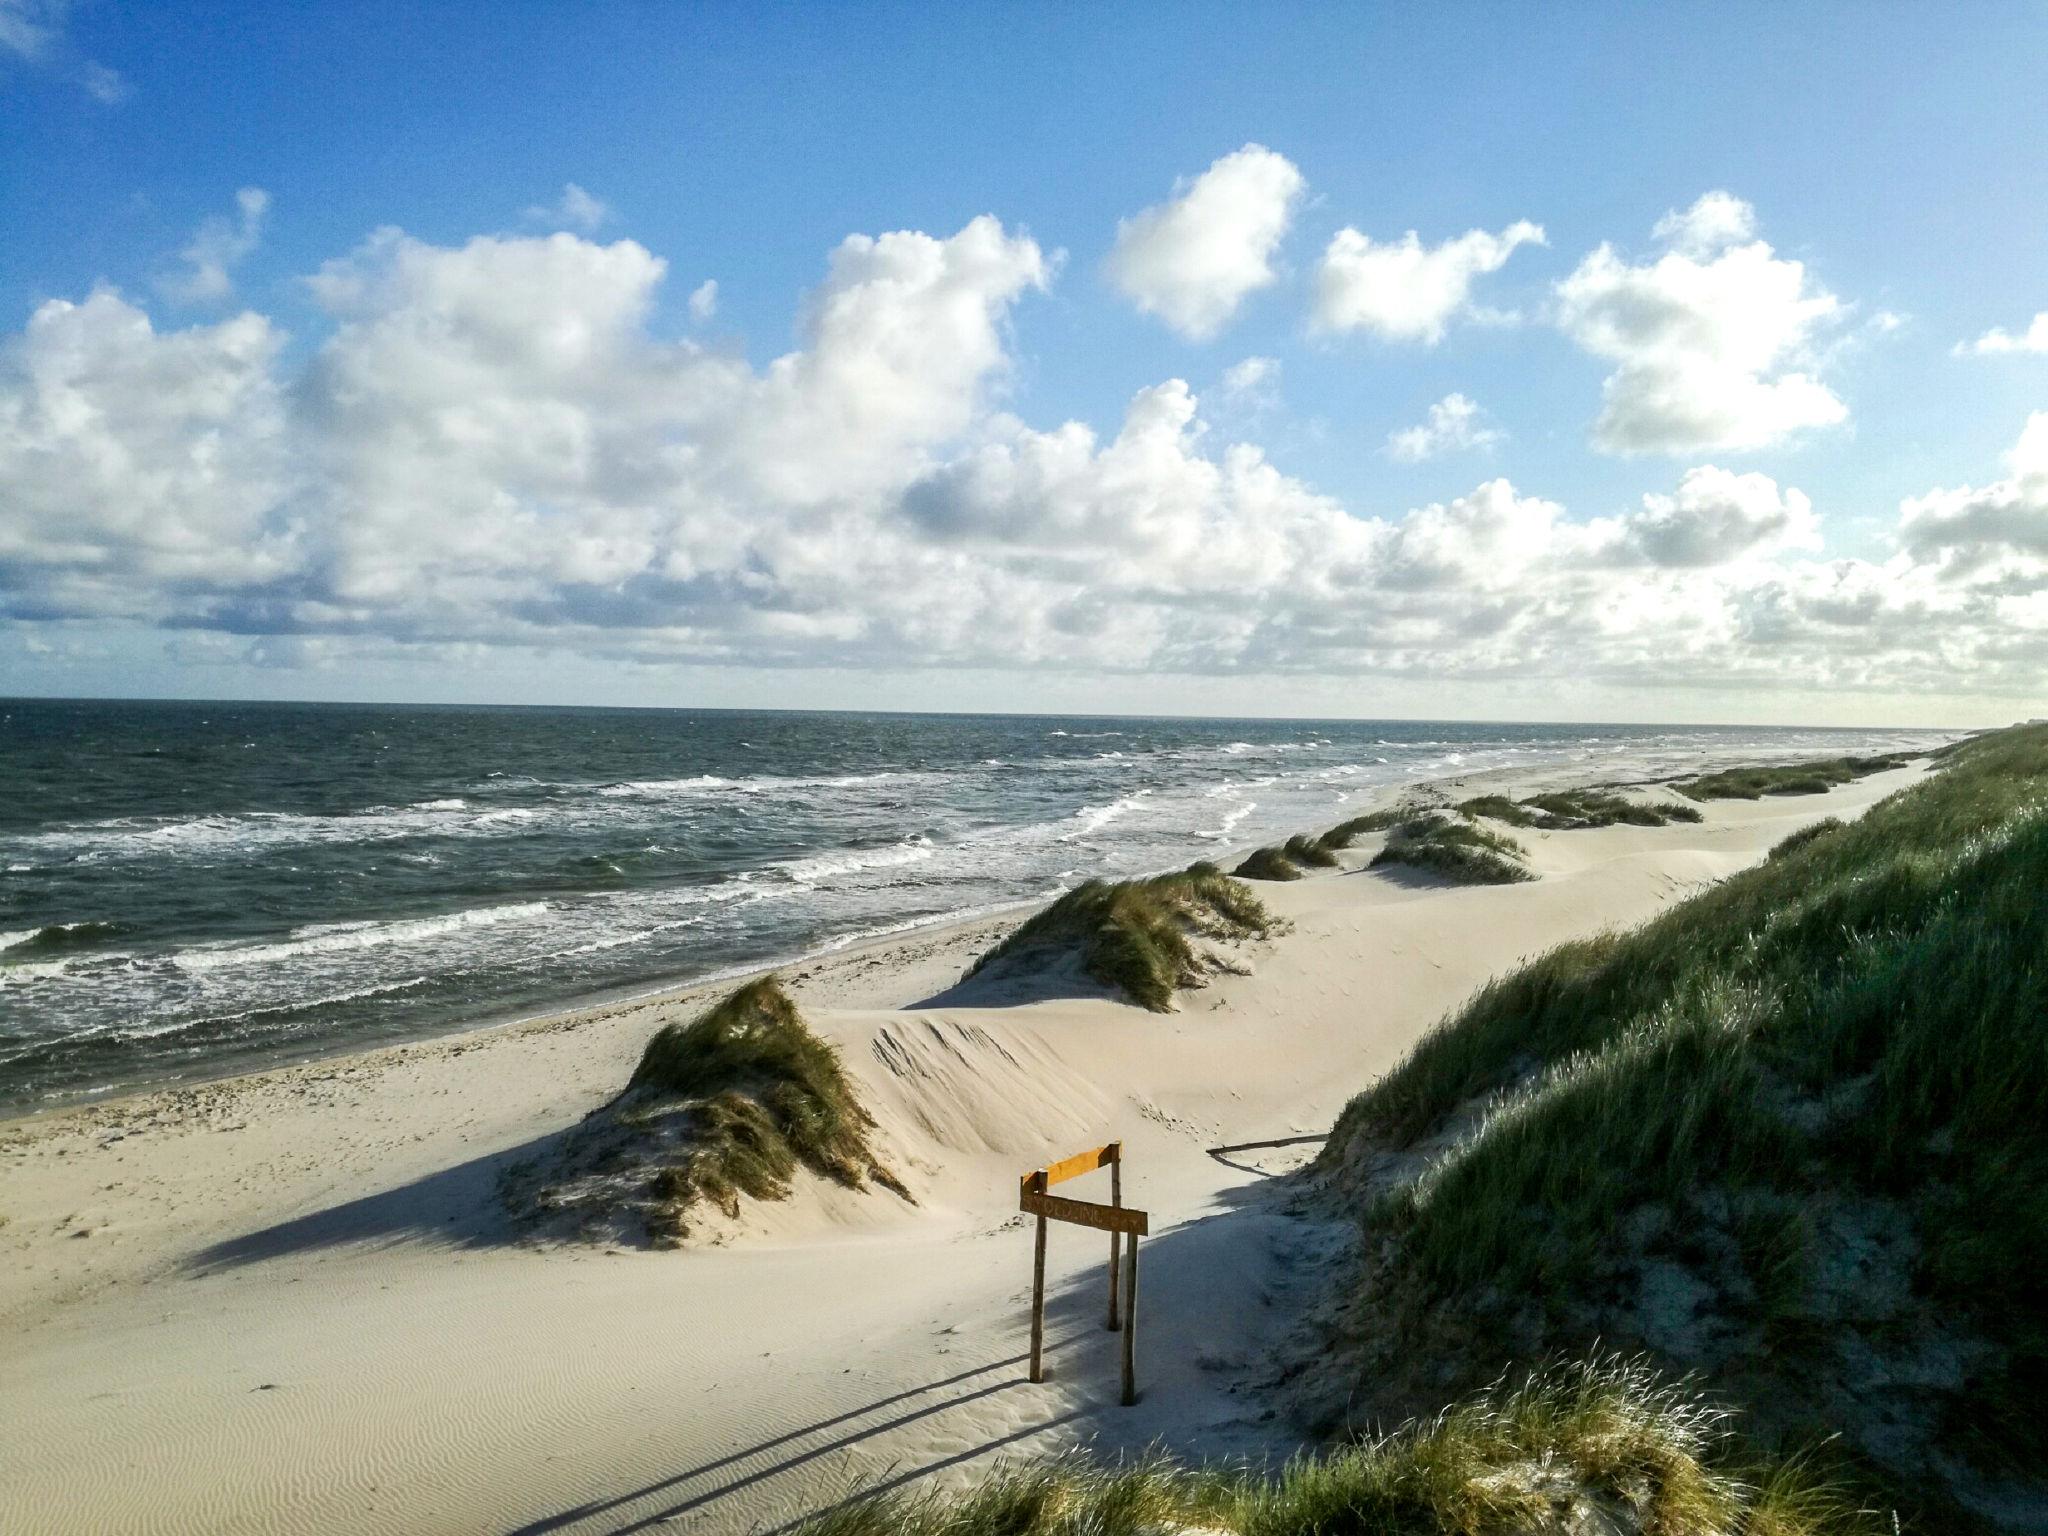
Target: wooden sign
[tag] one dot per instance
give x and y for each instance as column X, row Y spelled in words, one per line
column 1087, row 1213
column 1083, row 1162
column 1115, row 1219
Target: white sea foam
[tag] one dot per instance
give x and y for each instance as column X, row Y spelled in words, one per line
column 655, row 788
column 1091, row 819
column 853, row 861
column 1229, row 824
column 16, row 972
column 328, row 938
column 179, row 1026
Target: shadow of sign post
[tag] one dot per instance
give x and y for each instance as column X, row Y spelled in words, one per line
column 1119, row 1221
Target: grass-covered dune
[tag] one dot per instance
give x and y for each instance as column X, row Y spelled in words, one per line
column 732, row 1103
column 1808, row 778
column 1570, row 810
column 1598, row 1449
column 1456, row 849
column 1792, row 1135
column 1268, row 864
column 1345, row 833
column 1289, row 860
column 1145, row 938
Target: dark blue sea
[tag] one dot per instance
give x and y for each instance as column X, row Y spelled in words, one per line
column 193, row 889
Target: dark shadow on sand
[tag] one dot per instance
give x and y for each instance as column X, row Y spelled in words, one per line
column 455, row 1207
column 1182, row 1270
column 1221, row 1154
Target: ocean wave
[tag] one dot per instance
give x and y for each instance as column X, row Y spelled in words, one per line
column 230, row 834
column 295, row 1005
column 328, row 938
column 913, row 850
column 1091, row 819
column 658, row 788
column 636, row 936
column 1221, row 832
column 16, row 972
column 58, row 937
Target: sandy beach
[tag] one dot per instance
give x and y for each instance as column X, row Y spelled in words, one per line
column 290, row 1302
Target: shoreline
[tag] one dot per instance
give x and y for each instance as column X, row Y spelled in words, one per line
column 1572, row 770
column 312, row 1259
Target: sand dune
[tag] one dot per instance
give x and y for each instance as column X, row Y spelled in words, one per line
column 290, row 1302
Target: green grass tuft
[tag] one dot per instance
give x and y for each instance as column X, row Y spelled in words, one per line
column 1570, row 810
column 1501, row 808
column 1268, row 864
column 1599, row 1445
column 1808, row 778
column 1309, row 852
column 731, row 1104
column 1139, row 936
column 1791, row 844
column 1457, row 850
column 1345, row 833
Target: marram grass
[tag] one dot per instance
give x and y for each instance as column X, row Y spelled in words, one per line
column 1807, row 778
column 1854, row 1029
column 1595, row 1446
column 1345, row 833
column 1267, row 864
column 1140, row 937
column 1456, row 849
column 730, row 1104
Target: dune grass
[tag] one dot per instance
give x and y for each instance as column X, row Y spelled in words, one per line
column 1140, row 936
column 1456, row 849
column 1594, row 1446
column 1268, row 864
column 1798, row 840
column 1570, row 810
column 1808, row 778
column 1309, row 852
column 1345, row 833
column 730, row 1104
column 1501, row 808
column 1843, row 1040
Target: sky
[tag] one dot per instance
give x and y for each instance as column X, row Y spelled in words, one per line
column 1455, row 361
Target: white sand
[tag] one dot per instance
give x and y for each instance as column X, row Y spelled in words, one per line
column 285, row 1303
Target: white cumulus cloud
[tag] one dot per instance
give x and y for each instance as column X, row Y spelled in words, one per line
column 2003, row 524
column 704, row 300
column 1403, row 290
column 1996, row 340
column 574, row 209
column 1192, row 259
column 216, row 248
column 1454, row 424
column 502, row 446
column 1716, row 517
column 1712, row 342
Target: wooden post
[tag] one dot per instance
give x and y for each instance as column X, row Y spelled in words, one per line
column 1131, row 1322
column 1038, row 1185
column 1116, row 1198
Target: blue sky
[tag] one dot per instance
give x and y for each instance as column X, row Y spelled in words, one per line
column 1887, row 149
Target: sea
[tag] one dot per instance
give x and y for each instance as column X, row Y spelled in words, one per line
column 189, row 890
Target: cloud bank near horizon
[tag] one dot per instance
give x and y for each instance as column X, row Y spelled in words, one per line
column 497, row 444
